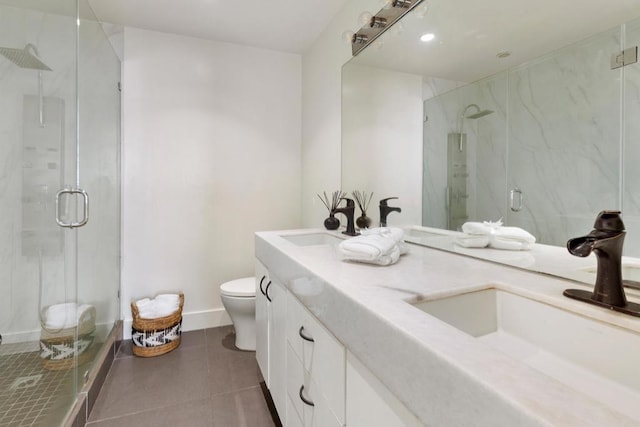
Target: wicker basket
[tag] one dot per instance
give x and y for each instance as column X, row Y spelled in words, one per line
column 63, row 349
column 153, row 337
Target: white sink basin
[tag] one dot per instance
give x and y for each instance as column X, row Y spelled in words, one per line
column 312, row 239
column 592, row 357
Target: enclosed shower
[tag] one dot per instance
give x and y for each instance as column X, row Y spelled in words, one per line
column 60, row 205
column 457, row 171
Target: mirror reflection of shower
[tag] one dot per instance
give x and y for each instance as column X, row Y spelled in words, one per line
column 29, row 58
column 457, row 171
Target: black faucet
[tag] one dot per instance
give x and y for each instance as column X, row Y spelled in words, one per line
column 605, row 240
column 385, row 210
column 349, row 212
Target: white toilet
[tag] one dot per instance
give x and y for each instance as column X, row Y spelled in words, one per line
column 239, row 299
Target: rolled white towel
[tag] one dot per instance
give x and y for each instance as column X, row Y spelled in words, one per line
column 397, row 234
column 472, row 240
column 68, row 315
column 390, row 258
column 514, row 233
column 160, row 306
column 146, row 308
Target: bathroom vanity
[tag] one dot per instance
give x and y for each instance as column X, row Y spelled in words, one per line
column 437, row 339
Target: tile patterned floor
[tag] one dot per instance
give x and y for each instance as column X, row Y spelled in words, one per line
column 31, row 395
column 204, row 382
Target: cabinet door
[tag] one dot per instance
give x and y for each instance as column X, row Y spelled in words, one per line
column 370, row 403
column 262, row 321
column 321, row 354
column 308, row 404
column 277, row 295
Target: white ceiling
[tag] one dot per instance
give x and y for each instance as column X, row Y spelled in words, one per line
column 284, row 25
column 469, row 34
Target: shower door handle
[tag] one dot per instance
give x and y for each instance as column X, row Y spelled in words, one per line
column 85, row 210
column 516, row 200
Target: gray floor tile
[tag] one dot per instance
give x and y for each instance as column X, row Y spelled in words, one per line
column 232, row 370
column 221, row 338
column 205, row 381
column 243, row 408
column 138, row 384
column 197, row 413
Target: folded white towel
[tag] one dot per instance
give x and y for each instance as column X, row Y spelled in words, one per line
column 367, row 248
column 497, row 236
column 68, row 315
column 472, row 240
column 509, row 244
column 381, row 246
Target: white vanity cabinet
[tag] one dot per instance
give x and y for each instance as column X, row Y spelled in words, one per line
column 370, row 403
column 315, row 370
column 271, row 303
column 262, row 321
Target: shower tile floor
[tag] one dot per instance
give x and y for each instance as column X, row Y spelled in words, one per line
column 29, row 394
column 205, row 382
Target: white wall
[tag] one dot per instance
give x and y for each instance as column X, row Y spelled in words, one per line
column 382, row 139
column 211, row 155
column 321, row 108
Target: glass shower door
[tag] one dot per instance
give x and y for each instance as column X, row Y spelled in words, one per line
column 38, row 270
column 564, row 109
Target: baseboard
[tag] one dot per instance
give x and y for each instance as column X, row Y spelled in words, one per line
column 193, row 320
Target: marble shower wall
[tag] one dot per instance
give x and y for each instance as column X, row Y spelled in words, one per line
column 555, row 134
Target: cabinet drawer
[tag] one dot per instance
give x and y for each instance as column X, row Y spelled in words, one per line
column 321, row 355
column 300, row 385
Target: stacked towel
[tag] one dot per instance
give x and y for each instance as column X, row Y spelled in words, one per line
column 160, row 306
column 494, row 235
column 381, row 246
column 68, row 315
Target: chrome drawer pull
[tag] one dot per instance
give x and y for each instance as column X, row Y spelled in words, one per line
column 305, row 400
column 303, row 336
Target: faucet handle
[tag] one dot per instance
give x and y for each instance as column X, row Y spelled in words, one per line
column 609, row 221
column 350, row 202
column 383, row 202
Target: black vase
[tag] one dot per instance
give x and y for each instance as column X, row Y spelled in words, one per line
column 363, row 221
column 331, row 223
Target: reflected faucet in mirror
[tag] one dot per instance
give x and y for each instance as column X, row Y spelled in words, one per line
column 349, row 212
column 385, row 210
column 606, row 241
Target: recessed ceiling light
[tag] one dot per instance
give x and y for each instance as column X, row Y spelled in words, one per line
column 427, row 37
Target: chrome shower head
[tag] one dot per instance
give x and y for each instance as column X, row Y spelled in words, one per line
column 479, row 113
column 23, row 58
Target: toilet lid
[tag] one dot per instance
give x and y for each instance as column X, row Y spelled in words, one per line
column 245, row 287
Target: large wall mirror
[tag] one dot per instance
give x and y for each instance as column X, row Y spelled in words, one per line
column 513, row 109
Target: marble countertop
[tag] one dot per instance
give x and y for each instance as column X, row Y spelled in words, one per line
column 445, row 377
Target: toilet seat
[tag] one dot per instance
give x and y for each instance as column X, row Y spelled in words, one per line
column 245, row 287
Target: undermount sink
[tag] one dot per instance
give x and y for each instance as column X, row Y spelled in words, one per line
column 591, row 357
column 312, row 239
